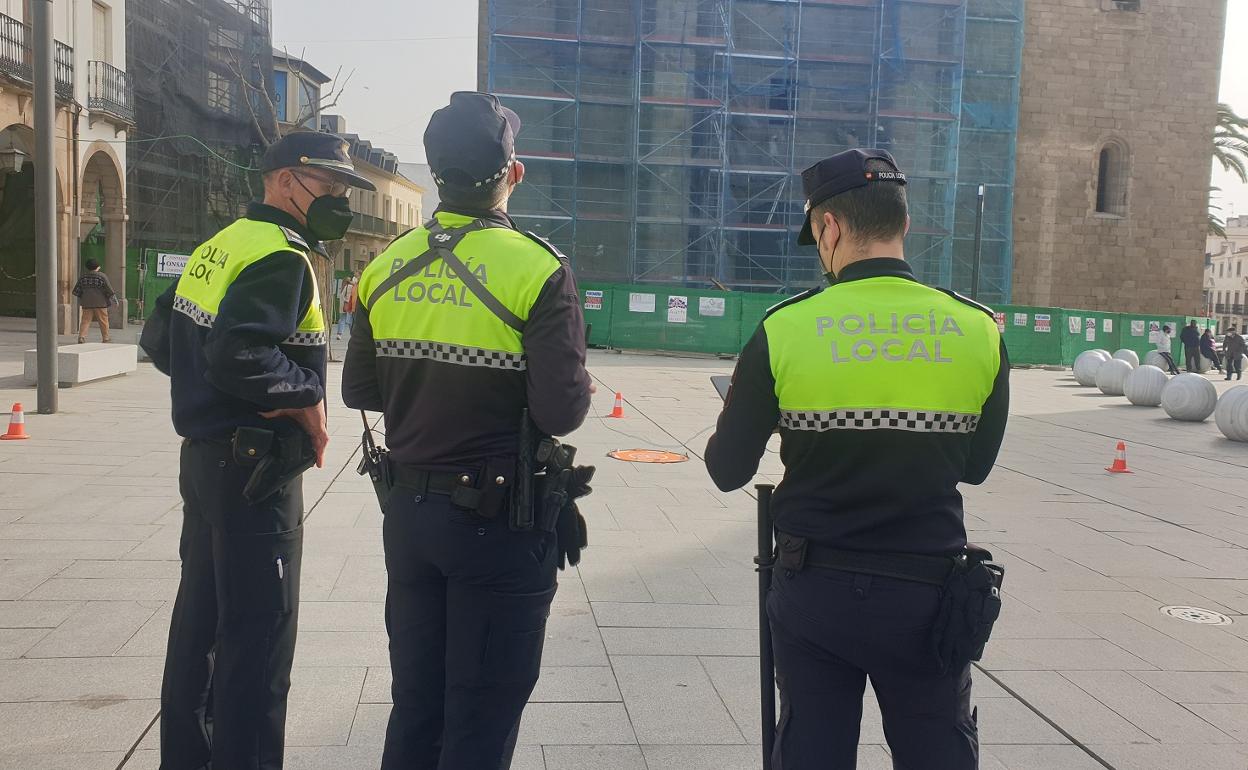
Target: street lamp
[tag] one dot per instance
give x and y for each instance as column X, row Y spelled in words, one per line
column 11, row 160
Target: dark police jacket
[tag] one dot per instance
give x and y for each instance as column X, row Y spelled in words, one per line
column 252, row 357
column 451, row 377
column 887, row 395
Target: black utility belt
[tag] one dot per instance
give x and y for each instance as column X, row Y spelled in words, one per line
column 483, row 491
column 796, row 553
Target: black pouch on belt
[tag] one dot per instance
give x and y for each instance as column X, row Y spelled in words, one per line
column 970, row 606
column 279, row 458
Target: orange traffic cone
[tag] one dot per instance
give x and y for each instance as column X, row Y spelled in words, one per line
column 1120, row 460
column 17, row 425
column 618, row 411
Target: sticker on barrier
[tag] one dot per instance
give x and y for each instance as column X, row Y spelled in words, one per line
column 656, row 456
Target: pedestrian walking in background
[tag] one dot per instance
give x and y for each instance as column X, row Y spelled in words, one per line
column 1234, row 347
column 346, row 298
column 1164, row 343
column 1207, row 350
column 1190, row 337
column 95, row 296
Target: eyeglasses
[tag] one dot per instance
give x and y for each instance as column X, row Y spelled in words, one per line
column 336, row 189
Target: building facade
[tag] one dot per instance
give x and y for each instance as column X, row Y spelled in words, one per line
column 1115, row 136
column 664, row 138
column 1226, row 283
column 94, row 113
column 380, row 216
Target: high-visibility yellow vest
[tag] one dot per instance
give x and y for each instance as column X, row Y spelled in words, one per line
column 434, row 315
column 218, row 262
column 882, row 353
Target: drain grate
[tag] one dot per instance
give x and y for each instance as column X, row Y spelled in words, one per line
column 1197, row 615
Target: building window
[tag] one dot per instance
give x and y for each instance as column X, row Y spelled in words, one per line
column 1111, row 180
column 1120, row 5
column 1221, row 268
column 1239, row 268
column 102, row 32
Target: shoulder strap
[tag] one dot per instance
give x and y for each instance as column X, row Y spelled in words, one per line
column 966, row 300
column 446, row 251
column 451, row 240
column 792, row 300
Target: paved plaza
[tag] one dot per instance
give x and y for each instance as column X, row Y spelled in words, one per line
column 651, row 653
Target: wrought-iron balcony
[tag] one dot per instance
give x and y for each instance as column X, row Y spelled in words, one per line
column 17, row 57
column 109, row 92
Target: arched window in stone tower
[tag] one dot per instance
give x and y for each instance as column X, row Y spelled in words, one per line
column 1111, row 179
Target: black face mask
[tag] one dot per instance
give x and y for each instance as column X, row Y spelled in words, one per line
column 329, row 216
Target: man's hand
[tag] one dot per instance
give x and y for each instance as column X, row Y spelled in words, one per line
column 312, row 420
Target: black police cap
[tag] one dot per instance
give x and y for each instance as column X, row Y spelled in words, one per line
column 840, row 173
column 472, row 141
column 315, row 150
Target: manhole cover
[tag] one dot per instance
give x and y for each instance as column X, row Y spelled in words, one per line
column 1197, row 615
column 647, row 456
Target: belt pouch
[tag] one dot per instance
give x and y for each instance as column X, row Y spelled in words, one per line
column 791, row 551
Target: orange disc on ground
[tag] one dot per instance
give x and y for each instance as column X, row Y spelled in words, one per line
column 647, row 456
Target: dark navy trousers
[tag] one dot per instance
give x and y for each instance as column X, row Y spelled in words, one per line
column 466, row 607
column 833, row 630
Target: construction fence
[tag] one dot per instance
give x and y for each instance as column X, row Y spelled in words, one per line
column 645, row 317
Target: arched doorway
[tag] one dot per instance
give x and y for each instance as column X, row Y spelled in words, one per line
column 17, row 221
column 102, row 224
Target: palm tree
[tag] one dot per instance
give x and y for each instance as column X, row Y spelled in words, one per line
column 1217, row 227
column 1230, row 142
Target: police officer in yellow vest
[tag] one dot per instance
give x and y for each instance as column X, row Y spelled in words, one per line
column 242, row 337
column 460, row 326
column 887, row 394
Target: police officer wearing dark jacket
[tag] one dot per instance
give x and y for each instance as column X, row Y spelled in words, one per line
column 452, row 354
column 242, row 338
column 887, row 395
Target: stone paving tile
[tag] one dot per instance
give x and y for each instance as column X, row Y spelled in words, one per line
column 572, row 639
column 53, row 727
column 1036, row 758
column 1164, row 720
column 1010, row 722
column 595, row 757
column 1059, row 655
column 671, row 701
column 322, row 705
column 89, row 761
column 1081, row 714
column 341, row 616
column 576, row 684
column 97, row 569
column 35, row 614
column 1196, row 687
column 115, row 589
column 704, row 758
column 68, row 679
column 153, row 637
column 642, row 615
column 1163, row 757
column 15, row 642
column 679, row 641
column 576, row 723
column 342, row 649
column 1146, row 643
column 1230, row 718
column 97, row 628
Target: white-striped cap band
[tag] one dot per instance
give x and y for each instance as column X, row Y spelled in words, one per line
column 880, row 419
column 452, row 354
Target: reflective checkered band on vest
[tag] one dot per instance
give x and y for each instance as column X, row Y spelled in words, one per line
column 307, row 339
column 194, row 312
column 453, row 354
column 880, row 419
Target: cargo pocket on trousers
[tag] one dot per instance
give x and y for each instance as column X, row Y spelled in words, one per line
column 263, row 571
column 517, row 633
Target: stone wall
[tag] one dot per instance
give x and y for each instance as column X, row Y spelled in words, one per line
column 1148, row 80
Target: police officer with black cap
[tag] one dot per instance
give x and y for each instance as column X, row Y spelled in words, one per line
column 460, row 326
column 887, row 394
column 242, row 337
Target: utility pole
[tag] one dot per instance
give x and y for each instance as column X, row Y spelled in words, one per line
column 45, row 206
column 979, row 238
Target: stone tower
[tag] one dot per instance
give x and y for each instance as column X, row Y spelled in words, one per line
column 1115, row 132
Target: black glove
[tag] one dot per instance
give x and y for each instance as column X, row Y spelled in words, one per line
column 578, row 483
column 571, row 535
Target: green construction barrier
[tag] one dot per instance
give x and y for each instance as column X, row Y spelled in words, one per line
column 144, row 282
column 1082, row 330
column 596, row 302
column 754, row 308
column 1030, row 333
column 676, row 319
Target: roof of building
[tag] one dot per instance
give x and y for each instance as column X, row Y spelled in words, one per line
column 301, row 67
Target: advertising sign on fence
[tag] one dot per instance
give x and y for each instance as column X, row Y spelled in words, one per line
column 1107, row 326
column 170, row 265
column 640, row 303
column 677, row 310
column 1074, row 321
column 1020, row 319
column 593, row 299
column 1137, row 328
column 1000, row 319
column 712, row 307
column 1042, row 323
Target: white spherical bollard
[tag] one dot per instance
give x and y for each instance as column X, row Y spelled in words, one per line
column 1087, row 364
column 1189, row 397
column 1231, row 415
column 1153, row 358
column 1144, row 385
column 1203, row 364
column 1111, row 376
column 1128, row 355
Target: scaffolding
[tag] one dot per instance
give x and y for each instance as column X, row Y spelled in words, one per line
column 664, row 138
column 195, row 137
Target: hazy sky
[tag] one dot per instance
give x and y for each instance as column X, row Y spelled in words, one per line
column 409, row 56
